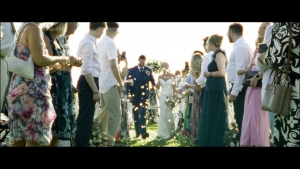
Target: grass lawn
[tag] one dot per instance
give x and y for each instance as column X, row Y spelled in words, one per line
column 153, row 141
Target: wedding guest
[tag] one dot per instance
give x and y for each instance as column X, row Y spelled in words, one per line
column 207, row 59
column 30, row 106
column 166, row 85
column 64, row 126
column 239, row 59
column 64, row 42
column 7, row 37
column 195, row 71
column 255, row 126
column 214, row 116
column 286, row 128
column 123, row 131
column 138, row 94
column 88, row 83
column 61, row 89
column 188, row 92
column 266, row 75
column 110, row 82
column 179, row 108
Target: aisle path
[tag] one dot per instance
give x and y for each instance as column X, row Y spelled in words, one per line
column 153, row 141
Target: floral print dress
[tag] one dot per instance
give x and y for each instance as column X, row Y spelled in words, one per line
column 62, row 93
column 30, row 107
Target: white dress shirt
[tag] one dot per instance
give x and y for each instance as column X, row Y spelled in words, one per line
column 87, row 50
column 141, row 68
column 207, row 59
column 107, row 51
column 239, row 59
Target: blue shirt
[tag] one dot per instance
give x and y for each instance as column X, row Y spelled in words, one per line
column 189, row 79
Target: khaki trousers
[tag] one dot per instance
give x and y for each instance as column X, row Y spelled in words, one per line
column 112, row 100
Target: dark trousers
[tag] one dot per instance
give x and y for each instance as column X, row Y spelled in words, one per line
column 238, row 106
column 86, row 112
column 139, row 120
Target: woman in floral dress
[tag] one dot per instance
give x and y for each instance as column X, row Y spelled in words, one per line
column 30, row 107
column 61, row 90
column 196, row 62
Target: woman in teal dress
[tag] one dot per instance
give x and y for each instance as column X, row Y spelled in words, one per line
column 64, row 125
column 214, row 117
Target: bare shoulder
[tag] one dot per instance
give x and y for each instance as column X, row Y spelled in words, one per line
column 30, row 32
column 220, row 55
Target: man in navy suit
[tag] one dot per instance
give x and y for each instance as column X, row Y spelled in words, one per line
column 139, row 94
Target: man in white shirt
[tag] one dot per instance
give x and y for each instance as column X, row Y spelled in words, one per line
column 110, row 82
column 239, row 59
column 207, row 59
column 88, row 83
column 8, row 35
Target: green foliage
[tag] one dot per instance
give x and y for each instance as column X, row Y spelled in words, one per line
column 155, row 66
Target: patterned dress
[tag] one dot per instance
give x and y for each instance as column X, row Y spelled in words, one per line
column 30, row 107
column 196, row 115
column 62, row 94
column 287, row 128
column 124, row 127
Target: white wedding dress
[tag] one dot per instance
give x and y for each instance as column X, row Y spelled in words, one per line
column 166, row 126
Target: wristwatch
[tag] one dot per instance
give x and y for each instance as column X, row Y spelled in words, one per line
column 257, row 76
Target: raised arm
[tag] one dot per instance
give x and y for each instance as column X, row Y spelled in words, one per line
column 36, row 43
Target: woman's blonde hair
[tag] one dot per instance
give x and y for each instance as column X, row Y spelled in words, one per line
column 59, row 29
column 196, row 62
column 215, row 40
column 258, row 40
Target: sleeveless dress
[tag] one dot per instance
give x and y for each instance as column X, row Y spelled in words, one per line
column 63, row 100
column 166, row 126
column 30, row 107
column 214, row 116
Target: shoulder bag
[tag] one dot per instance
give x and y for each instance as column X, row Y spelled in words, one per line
column 17, row 65
column 249, row 75
column 277, row 97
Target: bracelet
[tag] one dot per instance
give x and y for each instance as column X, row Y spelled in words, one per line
column 96, row 93
column 210, row 74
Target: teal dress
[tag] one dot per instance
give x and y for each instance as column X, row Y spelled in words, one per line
column 214, row 117
column 64, row 125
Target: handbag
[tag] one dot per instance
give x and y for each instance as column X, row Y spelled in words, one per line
column 250, row 75
column 277, row 97
column 17, row 65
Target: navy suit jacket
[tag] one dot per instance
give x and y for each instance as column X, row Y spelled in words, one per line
column 140, row 89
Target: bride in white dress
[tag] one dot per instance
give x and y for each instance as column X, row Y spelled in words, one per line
column 166, row 126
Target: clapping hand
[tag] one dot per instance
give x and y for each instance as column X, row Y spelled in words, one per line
column 206, row 74
column 64, row 60
column 75, row 61
column 187, row 85
column 253, row 81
